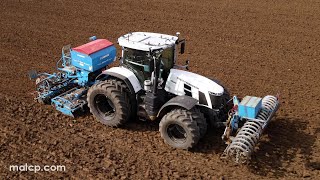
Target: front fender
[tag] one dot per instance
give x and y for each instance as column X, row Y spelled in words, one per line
column 185, row 102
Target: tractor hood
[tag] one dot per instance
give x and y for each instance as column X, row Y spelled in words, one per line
column 182, row 82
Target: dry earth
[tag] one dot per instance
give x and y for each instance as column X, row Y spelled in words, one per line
column 255, row 47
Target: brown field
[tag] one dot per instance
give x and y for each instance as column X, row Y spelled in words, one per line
column 254, row 47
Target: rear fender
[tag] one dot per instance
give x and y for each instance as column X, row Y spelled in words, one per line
column 126, row 75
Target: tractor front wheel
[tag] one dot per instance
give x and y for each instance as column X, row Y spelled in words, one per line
column 109, row 102
column 179, row 128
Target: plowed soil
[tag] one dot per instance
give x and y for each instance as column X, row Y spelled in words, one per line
column 254, row 47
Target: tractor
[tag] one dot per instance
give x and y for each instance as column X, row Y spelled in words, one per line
column 149, row 85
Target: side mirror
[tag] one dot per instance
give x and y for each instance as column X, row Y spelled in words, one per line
column 183, row 46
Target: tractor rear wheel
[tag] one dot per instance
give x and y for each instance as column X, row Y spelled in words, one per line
column 109, row 102
column 179, row 128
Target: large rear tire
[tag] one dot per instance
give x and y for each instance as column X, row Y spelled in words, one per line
column 179, row 128
column 109, row 102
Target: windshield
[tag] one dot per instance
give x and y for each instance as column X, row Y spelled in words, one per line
column 136, row 56
column 139, row 63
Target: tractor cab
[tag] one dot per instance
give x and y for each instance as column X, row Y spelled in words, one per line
column 137, row 48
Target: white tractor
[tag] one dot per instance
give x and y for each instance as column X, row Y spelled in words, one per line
column 149, row 85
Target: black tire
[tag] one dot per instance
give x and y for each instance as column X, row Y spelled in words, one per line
column 228, row 104
column 179, row 128
column 201, row 121
column 109, row 102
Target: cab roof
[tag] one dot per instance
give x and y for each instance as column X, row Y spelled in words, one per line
column 145, row 41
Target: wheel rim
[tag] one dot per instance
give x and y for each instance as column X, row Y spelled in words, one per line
column 105, row 107
column 177, row 133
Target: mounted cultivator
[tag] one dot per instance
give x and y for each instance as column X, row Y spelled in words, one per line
column 149, row 85
column 245, row 124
